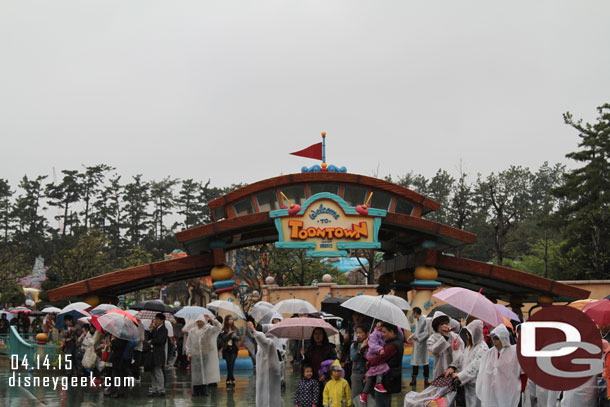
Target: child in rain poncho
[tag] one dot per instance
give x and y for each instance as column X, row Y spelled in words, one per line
column 268, row 374
column 337, row 392
column 498, row 382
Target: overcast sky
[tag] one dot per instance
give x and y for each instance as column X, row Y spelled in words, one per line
column 226, row 89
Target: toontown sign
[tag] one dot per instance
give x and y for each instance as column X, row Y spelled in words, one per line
column 329, row 211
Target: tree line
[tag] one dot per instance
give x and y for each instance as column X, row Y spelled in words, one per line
column 548, row 221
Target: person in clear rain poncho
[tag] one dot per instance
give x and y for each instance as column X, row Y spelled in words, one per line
column 445, row 345
column 468, row 363
column 498, row 382
column 203, row 354
column 268, row 375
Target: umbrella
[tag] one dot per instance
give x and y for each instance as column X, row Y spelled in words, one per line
column 84, row 320
column 472, row 302
column 333, row 306
column 36, row 314
column 153, row 305
column 294, row 306
column 300, row 328
column 76, row 310
column 192, row 312
column 450, row 311
column 51, row 310
column 17, row 310
column 100, row 309
column 580, row 304
column 399, row 302
column 125, row 313
column 226, row 306
column 507, row 312
column 378, row 308
column 95, row 323
column 132, row 312
column 119, row 325
column 325, row 316
column 261, row 310
column 146, row 314
column 76, row 315
column 599, row 312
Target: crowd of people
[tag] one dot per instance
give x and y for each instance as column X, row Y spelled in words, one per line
column 472, row 367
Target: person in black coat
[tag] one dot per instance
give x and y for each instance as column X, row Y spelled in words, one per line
column 117, row 347
column 158, row 341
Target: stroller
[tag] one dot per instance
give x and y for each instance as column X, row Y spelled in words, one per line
column 441, row 392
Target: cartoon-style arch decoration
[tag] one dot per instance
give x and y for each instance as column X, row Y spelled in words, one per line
column 328, row 227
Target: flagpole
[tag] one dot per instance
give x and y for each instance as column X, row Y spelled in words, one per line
column 323, row 146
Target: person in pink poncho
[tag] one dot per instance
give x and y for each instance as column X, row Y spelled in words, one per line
column 374, row 374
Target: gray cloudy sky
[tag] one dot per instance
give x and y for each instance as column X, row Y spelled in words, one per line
column 226, row 89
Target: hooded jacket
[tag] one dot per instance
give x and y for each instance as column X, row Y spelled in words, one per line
column 337, row 390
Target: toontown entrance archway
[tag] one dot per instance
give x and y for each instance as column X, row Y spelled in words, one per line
column 248, row 216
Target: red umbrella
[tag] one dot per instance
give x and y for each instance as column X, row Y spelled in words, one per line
column 300, row 328
column 95, row 322
column 127, row 314
column 599, row 312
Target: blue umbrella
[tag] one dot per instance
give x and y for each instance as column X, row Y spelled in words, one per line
column 76, row 315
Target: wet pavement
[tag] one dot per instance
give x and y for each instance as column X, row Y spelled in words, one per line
column 178, row 389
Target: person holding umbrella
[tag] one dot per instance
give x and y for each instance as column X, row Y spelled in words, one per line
column 230, row 339
column 158, row 340
column 445, row 345
column 72, row 334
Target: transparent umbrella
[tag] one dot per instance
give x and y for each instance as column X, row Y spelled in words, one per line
column 100, row 309
column 119, row 325
column 399, row 302
column 378, row 308
column 192, row 312
column 226, row 306
column 262, row 311
column 294, row 306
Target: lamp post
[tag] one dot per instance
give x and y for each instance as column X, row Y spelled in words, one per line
column 242, row 291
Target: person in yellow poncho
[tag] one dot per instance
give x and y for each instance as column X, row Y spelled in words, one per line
column 337, row 392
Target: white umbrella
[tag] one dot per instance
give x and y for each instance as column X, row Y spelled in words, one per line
column 226, row 306
column 261, row 310
column 399, row 302
column 378, row 308
column 294, row 306
column 75, row 306
column 192, row 312
column 51, row 310
column 100, row 309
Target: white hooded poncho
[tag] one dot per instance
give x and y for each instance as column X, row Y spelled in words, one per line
column 268, row 373
column 201, row 345
column 442, row 348
column 420, row 337
column 469, row 362
column 498, row 383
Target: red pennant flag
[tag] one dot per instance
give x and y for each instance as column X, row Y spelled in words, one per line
column 313, row 151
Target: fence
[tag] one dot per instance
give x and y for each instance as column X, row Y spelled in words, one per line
column 28, row 350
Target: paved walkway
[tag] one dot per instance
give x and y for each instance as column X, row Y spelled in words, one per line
column 178, row 392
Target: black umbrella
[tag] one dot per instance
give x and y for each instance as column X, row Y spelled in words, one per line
column 450, row 311
column 333, row 306
column 153, row 306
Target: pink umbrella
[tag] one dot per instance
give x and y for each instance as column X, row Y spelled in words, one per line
column 507, row 312
column 473, row 303
column 301, row 328
column 599, row 312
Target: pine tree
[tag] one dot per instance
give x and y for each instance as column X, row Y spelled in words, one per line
column 91, row 180
column 584, row 213
column 5, row 209
column 62, row 195
column 136, row 219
